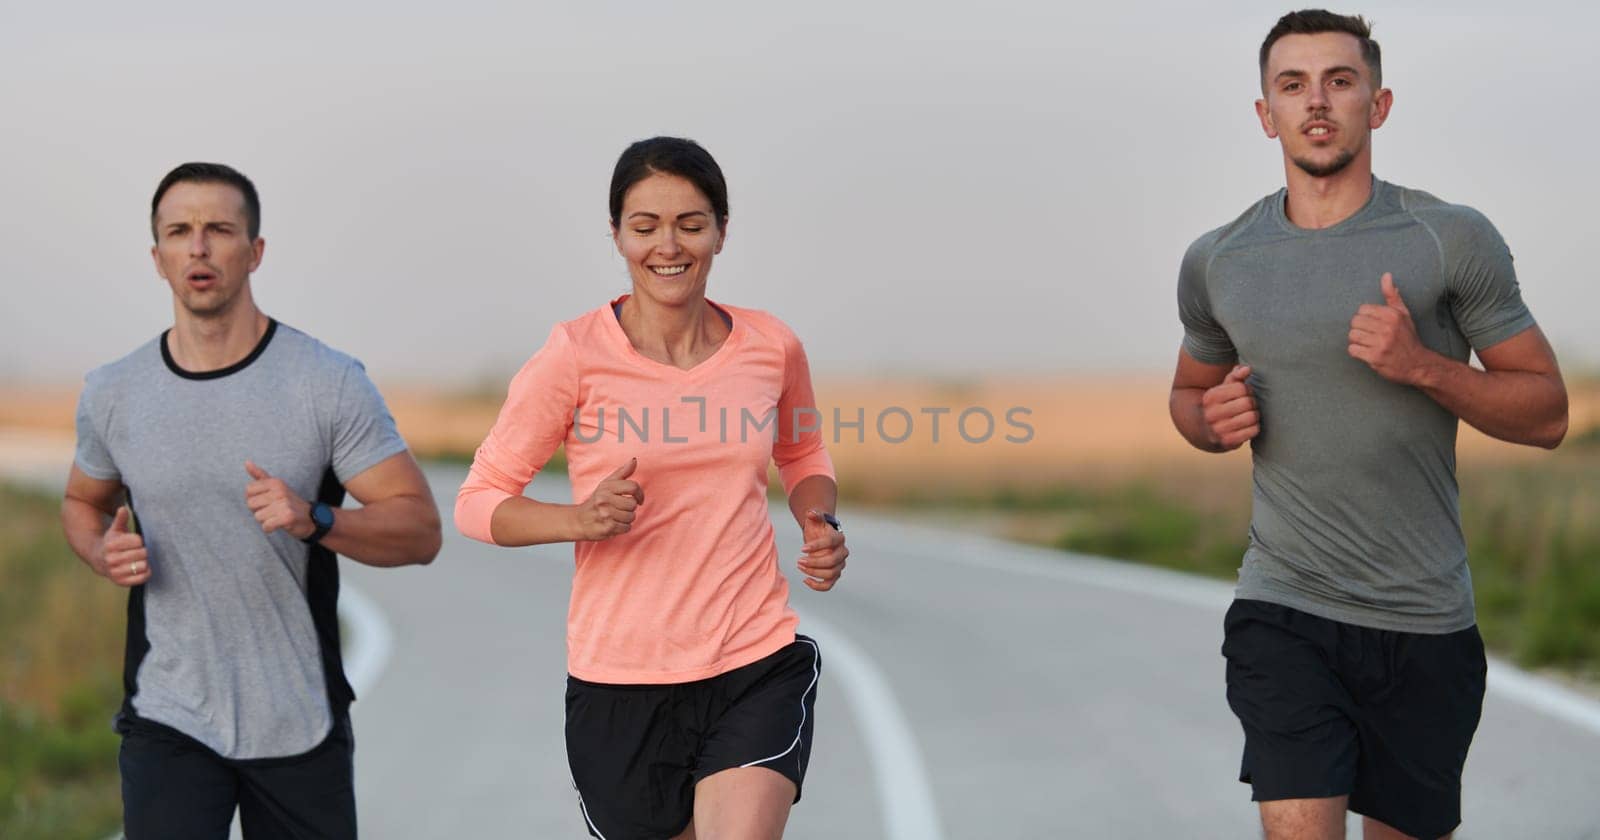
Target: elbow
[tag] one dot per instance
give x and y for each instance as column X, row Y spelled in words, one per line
column 431, row 545
column 1204, row 444
column 1178, row 410
column 472, row 521
column 1553, row 433
column 1554, row 430
column 463, row 519
column 426, row 547
column 429, row 535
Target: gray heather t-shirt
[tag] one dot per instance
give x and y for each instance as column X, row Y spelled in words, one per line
column 233, row 639
column 1355, row 516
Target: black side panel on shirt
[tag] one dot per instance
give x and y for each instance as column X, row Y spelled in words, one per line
column 136, row 643
column 322, row 595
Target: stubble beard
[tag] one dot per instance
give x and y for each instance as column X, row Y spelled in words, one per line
column 1323, row 170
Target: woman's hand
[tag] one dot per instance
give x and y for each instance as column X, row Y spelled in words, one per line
column 611, row 508
column 825, row 552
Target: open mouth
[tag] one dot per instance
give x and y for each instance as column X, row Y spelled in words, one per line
column 201, row 278
column 1320, row 131
column 668, row 270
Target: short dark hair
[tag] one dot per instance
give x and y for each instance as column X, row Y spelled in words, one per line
column 211, row 173
column 1314, row 21
column 670, row 156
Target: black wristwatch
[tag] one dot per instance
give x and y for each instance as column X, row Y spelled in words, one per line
column 832, row 520
column 322, row 517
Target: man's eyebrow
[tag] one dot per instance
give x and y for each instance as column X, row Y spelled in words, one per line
column 1301, row 74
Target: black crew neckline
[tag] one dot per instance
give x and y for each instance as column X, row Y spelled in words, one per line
column 261, row 346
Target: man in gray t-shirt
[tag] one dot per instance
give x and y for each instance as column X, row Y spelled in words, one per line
column 210, row 467
column 1330, row 326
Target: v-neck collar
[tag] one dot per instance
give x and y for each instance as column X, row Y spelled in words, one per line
column 625, row 346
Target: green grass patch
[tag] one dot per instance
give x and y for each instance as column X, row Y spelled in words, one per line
column 1588, row 439
column 1138, row 522
column 1533, row 536
column 463, row 458
column 60, row 680
column 1533, row 539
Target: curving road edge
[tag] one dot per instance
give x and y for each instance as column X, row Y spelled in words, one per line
column 901, row 777
column 369, row 642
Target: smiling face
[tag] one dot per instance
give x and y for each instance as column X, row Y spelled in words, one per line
column 1321, row 102
column 669, row 236
column 203, row 247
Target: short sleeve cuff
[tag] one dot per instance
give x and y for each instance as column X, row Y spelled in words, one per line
column 96, row 472
column 353, row 467
column 1496, row 333
column 1209, row 354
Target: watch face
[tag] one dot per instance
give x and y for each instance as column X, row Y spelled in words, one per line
column 322, row 515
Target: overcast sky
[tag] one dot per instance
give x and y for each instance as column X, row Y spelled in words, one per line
column 917, row 187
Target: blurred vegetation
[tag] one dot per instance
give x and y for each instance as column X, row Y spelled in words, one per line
column 463, row 458
column 60, row 680
column 1533, row 535
column 1532, row 528
column 1136, row 521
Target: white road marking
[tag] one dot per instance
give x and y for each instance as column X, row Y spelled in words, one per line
column 909, row 810
column 370, row 642
column 1544, row 695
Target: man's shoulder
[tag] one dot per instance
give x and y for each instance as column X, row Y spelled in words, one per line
column 142, row 361
column 1208, row 244
column 1446, row 219
column 307, row 354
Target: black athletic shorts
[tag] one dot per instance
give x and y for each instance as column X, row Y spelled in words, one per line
column 1333, row 709
column 175, row 788
column 636, row 751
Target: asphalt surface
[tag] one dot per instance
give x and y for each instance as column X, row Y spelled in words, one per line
column 971, row 688
column 975, row 689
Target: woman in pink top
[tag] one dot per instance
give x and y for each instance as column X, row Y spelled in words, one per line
column 689, row 693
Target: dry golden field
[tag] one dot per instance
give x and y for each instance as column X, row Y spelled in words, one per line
column 1104, row 473
column 1084, row 429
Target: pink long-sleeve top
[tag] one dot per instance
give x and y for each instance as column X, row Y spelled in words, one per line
column 693, row 589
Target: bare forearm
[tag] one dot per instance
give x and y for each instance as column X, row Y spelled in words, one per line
column 84, row 525
column 1518, row 406
column 817, row 492
column 1188, row 416
column 394, row 531
column 519, row 521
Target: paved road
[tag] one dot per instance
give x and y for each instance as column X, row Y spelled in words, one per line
column 1045, row 695
column 971, row 689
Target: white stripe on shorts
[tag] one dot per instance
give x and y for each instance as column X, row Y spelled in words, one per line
column 582, row 806
column 816, row 658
